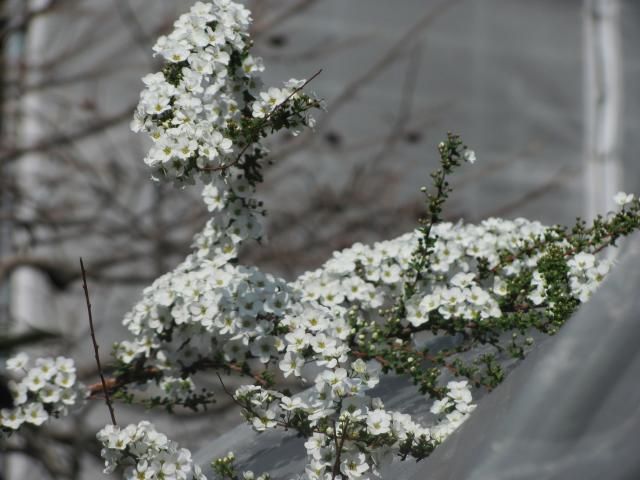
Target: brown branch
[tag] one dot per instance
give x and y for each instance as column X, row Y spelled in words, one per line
column 231, row 395
column 149, row 373
column 95, row 344
column 335, row 471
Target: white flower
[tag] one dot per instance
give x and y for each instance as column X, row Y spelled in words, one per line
column 35, row 380
column 18, row 362
column 50, row 394
column 288, row 404
column 582, row 261
column 35, row 413
column 266, row 420
column 263, row 348
column 391, row 273
column 354, row 464
column 440, row 406
column 622, row 198
column 322, row 343
column 11, row 418
column 68, row 397
column 462, row 280
column 378, row 422
column 18, row 392
column 291, row 363
column 469, row 156
column 297, row 340
column 65, row 365
column 416, row 314
column 430, row 302
column 460, row 395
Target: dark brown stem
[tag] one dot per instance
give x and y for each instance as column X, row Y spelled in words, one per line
column 231, row 395
column 148, row 373
column 95, row 344
column 339, row 446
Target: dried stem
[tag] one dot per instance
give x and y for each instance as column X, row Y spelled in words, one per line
column 95, row 344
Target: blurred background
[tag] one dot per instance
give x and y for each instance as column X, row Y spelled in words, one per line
column 545, row 91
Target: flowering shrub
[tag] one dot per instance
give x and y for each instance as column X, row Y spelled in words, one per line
column 360, row 315
column 146, row 453
column 48, row 388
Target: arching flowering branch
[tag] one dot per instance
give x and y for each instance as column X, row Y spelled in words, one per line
column 205, row 110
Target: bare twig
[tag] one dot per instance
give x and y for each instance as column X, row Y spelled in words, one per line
column 113, row 383
column 224, row 388
column 95, row 345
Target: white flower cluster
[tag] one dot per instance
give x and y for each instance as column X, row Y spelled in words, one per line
column 47, row 388
column 339, row 413
column 209, row 85
column 369, row 277
column 332, row 386
column 206, row 310
column 455, row 406
column 235, row 220
column 586, row 273
column 209, row 307
column 212, row 308
column 146, row 454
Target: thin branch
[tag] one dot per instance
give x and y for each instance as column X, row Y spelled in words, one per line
column 95, row 345
column 149, row 373
column 224, row 387
column 339, row 446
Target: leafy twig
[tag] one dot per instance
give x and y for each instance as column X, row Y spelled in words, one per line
column 263, row 124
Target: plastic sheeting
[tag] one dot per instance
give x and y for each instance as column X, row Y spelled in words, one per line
column 571, row 410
